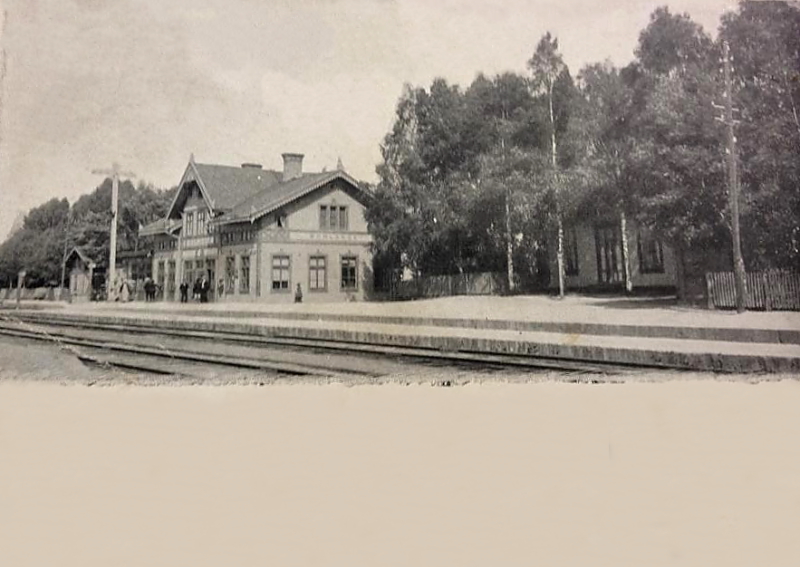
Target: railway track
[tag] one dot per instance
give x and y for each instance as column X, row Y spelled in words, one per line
column 180, row 352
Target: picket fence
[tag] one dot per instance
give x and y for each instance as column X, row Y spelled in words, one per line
column 770, row 290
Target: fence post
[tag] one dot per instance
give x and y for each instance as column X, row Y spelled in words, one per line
column 709, row 291
column 767, row 291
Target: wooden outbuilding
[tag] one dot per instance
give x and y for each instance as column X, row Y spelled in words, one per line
column 80, row 269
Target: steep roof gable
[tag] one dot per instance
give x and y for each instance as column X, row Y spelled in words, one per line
column 222, row 186
column 80, row 254
column 282, row 194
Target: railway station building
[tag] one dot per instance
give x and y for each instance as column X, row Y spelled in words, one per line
column 260, row 235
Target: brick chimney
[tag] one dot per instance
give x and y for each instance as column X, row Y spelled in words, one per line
column 292, row 166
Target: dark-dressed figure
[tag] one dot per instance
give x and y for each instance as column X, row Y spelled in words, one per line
column 184, row 292
column 205, row 286
column 149, row 290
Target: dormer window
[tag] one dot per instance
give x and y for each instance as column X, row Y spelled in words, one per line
column 280, row 220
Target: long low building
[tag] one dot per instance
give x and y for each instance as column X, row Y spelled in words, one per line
column 595, row 258
column 264, row 235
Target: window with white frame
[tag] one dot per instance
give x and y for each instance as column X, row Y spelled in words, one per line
column 201, row 222
column 332, row 217
column 317, row 273
column 349, row 273
column 189, row 224
column 280, row 272
column 244, row 274
column 230, row 273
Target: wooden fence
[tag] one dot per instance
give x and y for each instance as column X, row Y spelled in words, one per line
column 485, row 283
column 29, row 293
column 771, row 290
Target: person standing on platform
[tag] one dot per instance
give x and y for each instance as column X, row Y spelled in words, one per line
column 204, row 287
column 184, row 292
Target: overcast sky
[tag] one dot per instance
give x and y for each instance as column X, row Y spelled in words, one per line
column 147, row 82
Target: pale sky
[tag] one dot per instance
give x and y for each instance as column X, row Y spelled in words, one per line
column 147, row 82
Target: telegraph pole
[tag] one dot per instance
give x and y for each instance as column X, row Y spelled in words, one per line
column 64, row 258
column 733, row 178
column 114, row 172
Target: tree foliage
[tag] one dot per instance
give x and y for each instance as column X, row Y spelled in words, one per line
column 47, row 230
column 640, row 141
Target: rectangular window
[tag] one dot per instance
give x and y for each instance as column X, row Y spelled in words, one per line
column 189, row 224
column 323, row 217
column 171, row 276
column 230, row 274
column 349, row 272
column 651, row 255
column 280, row 273
column 608, row 243
column 317, row 273
column 160, row 275
column 188, row 274
column 244, row 275
column 334, row 216
column 571, row 252
column 201, row 222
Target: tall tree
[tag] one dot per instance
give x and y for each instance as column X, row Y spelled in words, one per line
column 500, row 106
column 546, row 67
column 603, row 127
column 764, row 40
column 679, row 162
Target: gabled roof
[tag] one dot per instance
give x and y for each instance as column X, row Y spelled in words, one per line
column 239, row 194
column 161, row 226
column 227, row 186
column 223, row 186
column 281, row 194
column 81, row 254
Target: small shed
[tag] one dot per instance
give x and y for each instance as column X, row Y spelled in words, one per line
column 80, row 269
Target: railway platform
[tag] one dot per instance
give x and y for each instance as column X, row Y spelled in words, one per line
column 654, row 333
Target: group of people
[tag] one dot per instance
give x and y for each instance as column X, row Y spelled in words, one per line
column 200, row 290
column 150, row 289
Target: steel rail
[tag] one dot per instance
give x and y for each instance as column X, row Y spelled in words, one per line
column 467, row 358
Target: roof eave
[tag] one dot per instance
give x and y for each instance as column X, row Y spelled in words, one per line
column 283, row 202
